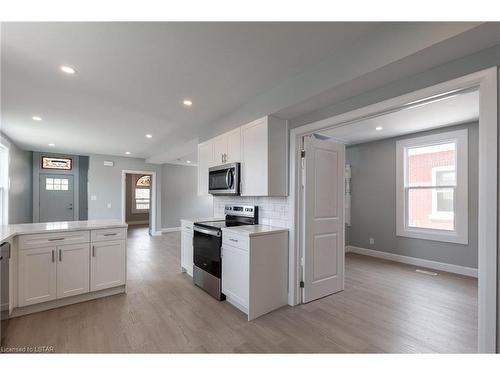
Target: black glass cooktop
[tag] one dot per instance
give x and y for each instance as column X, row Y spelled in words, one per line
column 220, row 224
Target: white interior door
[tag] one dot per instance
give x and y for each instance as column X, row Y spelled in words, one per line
column 323, row 199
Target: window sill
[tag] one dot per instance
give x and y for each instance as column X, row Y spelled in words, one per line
column 432, row 235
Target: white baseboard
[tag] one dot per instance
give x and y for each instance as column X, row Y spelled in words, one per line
column 138, row 222
column 452, row 268
column 173, row 229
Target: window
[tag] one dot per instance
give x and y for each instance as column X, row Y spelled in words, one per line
column 142, row 194
column 56, row 163
column 56, row 184
column 432, row 179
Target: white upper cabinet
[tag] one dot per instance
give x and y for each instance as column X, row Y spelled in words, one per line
column 205, row 161
column 260, row 146
column 227, row 147
column 264, row 159
column 233, row 152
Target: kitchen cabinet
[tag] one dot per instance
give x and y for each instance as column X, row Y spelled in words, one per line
column 37, row 275
column 264, row 157
column 107, row 264
column 205, row 161
column 72, row 270
column 235, row 275
column 53, row 266
column 227, row 147
column 255, row 268
column 187, row 247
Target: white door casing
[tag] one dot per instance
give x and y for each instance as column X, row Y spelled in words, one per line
column 324, row 218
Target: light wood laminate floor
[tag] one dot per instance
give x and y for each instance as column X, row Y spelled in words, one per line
column 386, row 307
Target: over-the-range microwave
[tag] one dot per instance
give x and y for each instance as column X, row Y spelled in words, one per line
column 224, row 179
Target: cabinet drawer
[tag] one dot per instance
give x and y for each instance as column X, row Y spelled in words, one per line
column 31, row 241
column 109, row 234
column 236, row 240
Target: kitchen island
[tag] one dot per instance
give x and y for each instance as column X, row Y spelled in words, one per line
column 61, row 263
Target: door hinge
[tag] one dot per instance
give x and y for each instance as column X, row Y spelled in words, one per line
column 301, row 284
column 302, row 153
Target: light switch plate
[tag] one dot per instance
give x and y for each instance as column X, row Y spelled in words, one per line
column 93, row 197
column 109, row 205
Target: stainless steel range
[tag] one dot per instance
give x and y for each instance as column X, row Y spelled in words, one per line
column 207, row 243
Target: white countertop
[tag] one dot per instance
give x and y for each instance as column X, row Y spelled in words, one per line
column 7, row 232
column 255, row 230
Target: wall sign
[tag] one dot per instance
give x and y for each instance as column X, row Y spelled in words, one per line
column 57, row 163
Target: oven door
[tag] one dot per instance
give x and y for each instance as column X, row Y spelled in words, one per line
column 224, row 179
column 206, row 250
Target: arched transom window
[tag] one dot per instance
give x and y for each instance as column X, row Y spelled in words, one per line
column 142, row 193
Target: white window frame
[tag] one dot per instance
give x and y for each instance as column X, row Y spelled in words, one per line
column 439, row 215
column 460, row 234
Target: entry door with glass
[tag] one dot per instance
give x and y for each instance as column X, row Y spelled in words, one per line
column 56, row 197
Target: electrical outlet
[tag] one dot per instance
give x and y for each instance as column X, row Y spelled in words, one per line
column 372, row 241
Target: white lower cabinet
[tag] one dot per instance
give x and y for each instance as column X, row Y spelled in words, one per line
column 187, row 252
column 69, row 268
column 235, row 279
column 72, row 270
column 108, row 264
column 37, row 276
column 255, row 270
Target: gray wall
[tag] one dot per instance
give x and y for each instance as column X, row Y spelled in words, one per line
column 106, row 185
column 37, row 170
column 179, row 196
column 373, row 212
column 21, row 186
column 132, row 217
column 83, row 187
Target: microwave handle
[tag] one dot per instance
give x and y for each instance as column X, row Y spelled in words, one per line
column 229, row 178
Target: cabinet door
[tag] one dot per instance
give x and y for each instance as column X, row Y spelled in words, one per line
column 235, row 281
column 107, row 264
column 187, row 252
column 73, row 270
column 220, row 149
column 205, row 160
column 37, row 275
column 234, row 146
column 254, row 158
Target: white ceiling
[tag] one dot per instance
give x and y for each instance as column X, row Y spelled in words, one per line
column 453, row 110
column 132, row 78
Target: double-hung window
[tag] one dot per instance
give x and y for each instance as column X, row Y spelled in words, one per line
column 431, row 187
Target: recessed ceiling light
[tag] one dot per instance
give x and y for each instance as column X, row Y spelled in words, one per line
column 127, row 152
column 37, row 118
column 187, row 102
column 68, row 69
column 378, row 128
column 188, row 161
column 149, row 136
column 52, row 144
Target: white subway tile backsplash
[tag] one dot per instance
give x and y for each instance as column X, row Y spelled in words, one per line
column 272, row 210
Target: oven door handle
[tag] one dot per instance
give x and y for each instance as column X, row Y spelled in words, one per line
column 211, row 232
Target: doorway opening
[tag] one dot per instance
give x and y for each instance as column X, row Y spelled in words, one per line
column 138, row 202
column 430, row 208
